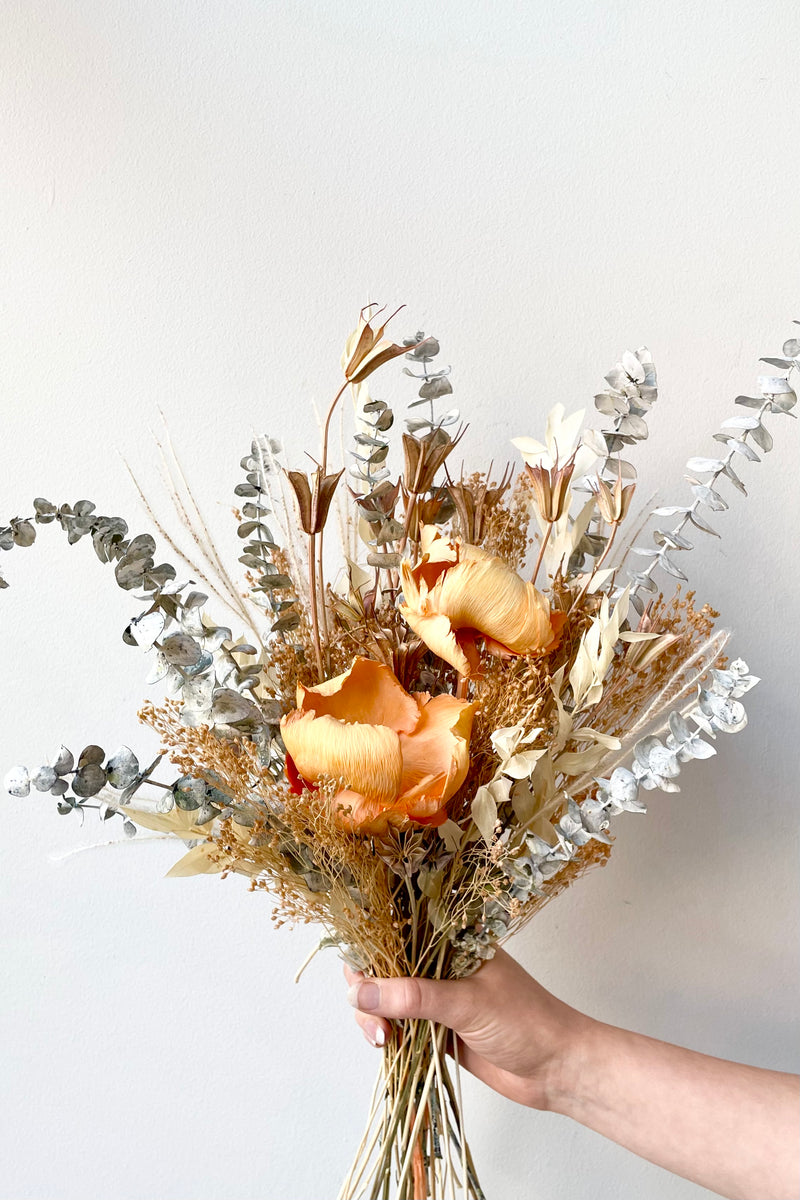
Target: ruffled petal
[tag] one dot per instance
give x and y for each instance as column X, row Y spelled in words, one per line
column 364, row 816
column 435, row 756
column 478, row 595
column 363, row 757
column 368, row 693
column 439, row 636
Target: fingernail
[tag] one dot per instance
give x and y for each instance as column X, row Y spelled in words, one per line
column 364, row 996
column 376, row 1035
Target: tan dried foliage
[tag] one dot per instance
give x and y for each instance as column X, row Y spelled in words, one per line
column 507, row 531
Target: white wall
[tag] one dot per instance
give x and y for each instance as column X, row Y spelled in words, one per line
column 196, row 198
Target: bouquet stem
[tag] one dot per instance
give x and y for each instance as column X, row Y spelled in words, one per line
column 414, row 1146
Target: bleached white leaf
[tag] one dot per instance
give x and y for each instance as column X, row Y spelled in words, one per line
column 633, row 367
column 521, row 765
column 705, row 464
column 484, row 813
column 587, row 734
column 452, row 835
column 740, row 423
column 505, row 741
column 775, row 385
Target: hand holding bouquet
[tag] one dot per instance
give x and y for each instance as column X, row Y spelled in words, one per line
column 419, row 748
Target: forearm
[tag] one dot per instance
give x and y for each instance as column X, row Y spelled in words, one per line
column 731, row 1128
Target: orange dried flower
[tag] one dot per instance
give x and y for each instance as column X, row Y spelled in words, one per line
column 399, row 757
column 458, row 593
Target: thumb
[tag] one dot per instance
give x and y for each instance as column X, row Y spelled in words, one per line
column 447, row 1002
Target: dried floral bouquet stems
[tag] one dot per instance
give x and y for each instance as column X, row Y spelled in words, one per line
column 420, row 753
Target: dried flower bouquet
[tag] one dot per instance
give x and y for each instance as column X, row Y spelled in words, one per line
column 420, row 756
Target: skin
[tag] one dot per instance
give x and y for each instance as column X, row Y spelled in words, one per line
column 729, row 1127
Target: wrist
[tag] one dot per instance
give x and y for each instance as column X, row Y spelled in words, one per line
column 575, row 1064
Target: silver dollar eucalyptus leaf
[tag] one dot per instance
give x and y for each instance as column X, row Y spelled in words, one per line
column 654, row 765
column 705, row 464
column 189, row 794
column 45, row 511
column 197, row 694
column 775, row 385
column 686, row 742
column 63, row 761
column 147, row 629
column 215, row 635
column 17, row 782
column 181, row 650
column 91, row 756
column 122, row 768
column 195, row 600
column 159, row 670
column 88, row 781
column 720, row 713
column 620, row 792
column 24, row 533
column 228, row 707
column 132, row 788
column 136, row 561
column 203, row 663
column 165, row 801
column 43, row 778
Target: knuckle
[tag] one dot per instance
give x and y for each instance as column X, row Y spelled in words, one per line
column 410, row 997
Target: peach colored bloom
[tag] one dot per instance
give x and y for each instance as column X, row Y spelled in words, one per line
column 398, row 756
column 458, row 593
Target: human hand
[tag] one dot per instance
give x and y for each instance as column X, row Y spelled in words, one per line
column 512, row 1033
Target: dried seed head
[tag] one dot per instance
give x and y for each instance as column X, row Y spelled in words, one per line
column 423, row 458
column 313, row 500
column 367, row 349
column 551, row 488
column 613, row 502
column 474, row 502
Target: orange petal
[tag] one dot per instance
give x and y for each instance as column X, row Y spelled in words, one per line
column 368, row 693
column 364, row 816
column 482, row 593
column 435, row 756
column 438, row 635
column 363, row 757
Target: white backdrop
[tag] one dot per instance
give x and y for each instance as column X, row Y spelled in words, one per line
column 196, row 199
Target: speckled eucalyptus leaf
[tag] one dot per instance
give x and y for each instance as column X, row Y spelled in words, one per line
column 91, row 756
column 189, row 794
column 88, row 780
column 181, row 650
column 145, row 630
column 63, row 762
column 122, row 768
column 43, row 778
column 285, row 623
column 23, row 532
column 44, row 510
column 17, row 782
column 229, row 706
column 133, row 788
